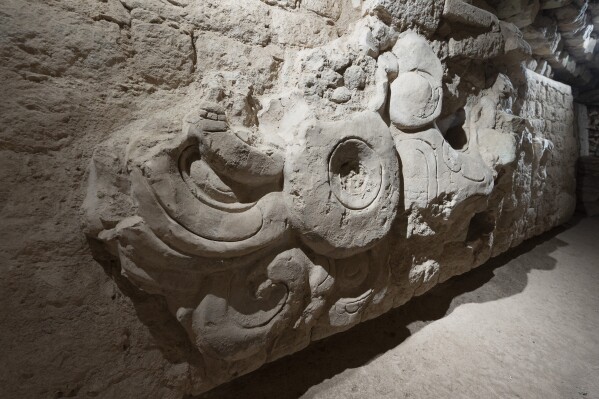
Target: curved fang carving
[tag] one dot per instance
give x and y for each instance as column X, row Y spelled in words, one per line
column 241, row 311
column 205, row 184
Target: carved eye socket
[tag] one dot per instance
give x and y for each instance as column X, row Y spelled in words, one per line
column 355, row 173
column 342, row 184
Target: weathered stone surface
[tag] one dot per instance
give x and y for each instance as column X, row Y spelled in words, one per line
column 519, row 12
column 287, row 226
column 587, row 187
column 565, row 35
column 593, row 131
column 460, row 11
column 421, row 14
column 260, row 175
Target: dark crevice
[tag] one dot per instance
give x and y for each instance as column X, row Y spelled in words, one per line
column 108, row 18
column 453, row 130
column 176, row 3
column 481, row 226
column 126, row 6
column 194, row 55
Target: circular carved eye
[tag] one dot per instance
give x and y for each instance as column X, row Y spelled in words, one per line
column 355, row 173
column 342, row 184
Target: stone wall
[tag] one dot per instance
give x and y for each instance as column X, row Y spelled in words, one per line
column 252, row 176
column 593, row 114
column 548, row 106
column 588, row 166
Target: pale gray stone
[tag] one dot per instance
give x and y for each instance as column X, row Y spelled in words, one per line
column 341, row 95
column 354, row 78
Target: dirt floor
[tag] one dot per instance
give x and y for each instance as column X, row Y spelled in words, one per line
column 525, row 325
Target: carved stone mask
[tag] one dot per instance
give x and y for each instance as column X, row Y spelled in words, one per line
column 263, row 237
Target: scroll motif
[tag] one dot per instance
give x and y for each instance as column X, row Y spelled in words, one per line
column 313, row 214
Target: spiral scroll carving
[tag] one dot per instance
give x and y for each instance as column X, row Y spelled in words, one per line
column 270, row 220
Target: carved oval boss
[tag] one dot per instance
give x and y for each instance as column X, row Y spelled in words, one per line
column 416, row 93
column 342, row 184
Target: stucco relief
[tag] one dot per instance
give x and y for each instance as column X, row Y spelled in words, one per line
column 339, row 198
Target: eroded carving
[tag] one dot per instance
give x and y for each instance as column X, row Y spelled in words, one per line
column 346, row 194
column 342, row 183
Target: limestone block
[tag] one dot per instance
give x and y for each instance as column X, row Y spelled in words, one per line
column 294, row 29
column 462, row 12
column 481, row 47
column 423, row 14
column 544, row 36
column 519, row 12
column 515, row 45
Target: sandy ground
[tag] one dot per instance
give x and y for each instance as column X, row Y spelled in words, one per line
column 525, row 325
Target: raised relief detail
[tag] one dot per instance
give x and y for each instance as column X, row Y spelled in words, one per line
column 319, row 210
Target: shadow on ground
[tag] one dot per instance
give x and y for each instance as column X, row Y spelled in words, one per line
column 291, row 376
